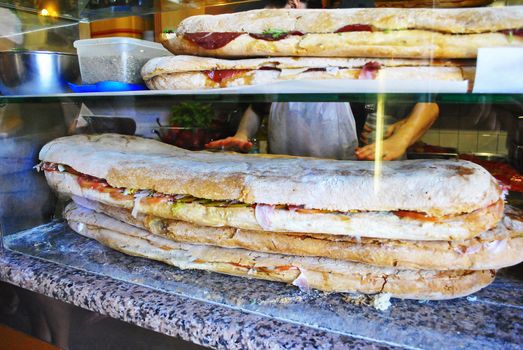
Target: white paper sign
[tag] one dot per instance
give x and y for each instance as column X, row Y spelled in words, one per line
column 499, row 70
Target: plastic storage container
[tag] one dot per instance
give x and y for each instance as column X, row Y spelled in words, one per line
column 115, row 59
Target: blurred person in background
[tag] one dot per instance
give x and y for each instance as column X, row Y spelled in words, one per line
column 328, row 129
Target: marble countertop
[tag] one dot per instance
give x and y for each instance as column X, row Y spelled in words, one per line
column 234, row 313
column 202, row 323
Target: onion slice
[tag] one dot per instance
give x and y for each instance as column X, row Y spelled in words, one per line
column 262, row 212
column 137, row 199
column 301, row 281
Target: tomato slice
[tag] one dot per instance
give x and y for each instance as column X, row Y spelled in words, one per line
column 414, row 215
column 154, row 200
column 285, row 268
column 92, row 183
column 223, row 74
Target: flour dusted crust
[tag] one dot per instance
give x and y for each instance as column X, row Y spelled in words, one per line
column 399, row 33
column 432, row 3
column 437, row 187
column 308, row 272
column 395, row 44
column 455, row 21
column 493, row 249
column 366, row 224
column 184, row 73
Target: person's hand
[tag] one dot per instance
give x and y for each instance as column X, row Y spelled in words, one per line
column 391, row 130
column 232, row 143
column 294, row 4
column 393, row 148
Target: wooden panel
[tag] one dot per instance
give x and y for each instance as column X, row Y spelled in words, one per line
column 15, row 340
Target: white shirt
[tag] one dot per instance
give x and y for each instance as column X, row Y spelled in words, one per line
column 314, row 129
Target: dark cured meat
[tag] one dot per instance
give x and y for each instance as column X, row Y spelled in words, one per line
column 355, row 28
column 211, row 41
column 515, row 32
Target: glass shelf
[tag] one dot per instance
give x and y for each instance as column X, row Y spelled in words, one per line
column 215, row 96
column 90, row 10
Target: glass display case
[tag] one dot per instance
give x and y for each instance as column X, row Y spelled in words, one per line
column 38, row 105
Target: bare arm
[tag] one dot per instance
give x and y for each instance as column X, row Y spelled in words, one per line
column 249, row 125
column 420, row 120
column 404, row 133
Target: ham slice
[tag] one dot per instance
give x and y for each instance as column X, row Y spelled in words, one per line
column 369, row 71
column 263, row 213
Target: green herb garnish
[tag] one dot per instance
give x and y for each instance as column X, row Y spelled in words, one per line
column 275, row 33
column 176, row 208
column 169, row 31
column 192, row 115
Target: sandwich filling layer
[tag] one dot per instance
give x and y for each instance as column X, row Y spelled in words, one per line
column 305, row 272
column 399, row 224
column 497, row 248
column 399, row 44
column 216, row 40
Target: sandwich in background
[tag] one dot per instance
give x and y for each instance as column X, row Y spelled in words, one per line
column 192, row 72
column 372, row 32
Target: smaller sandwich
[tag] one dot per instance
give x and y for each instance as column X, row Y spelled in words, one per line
column 192, row 72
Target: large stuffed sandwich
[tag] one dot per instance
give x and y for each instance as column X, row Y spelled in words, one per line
column 432, row 230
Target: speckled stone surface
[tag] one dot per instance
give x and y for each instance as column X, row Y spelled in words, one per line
column 201, row 323
column 231, row 312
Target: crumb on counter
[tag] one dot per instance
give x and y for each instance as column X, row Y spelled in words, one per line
column 381, row 301
column 378, row 301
